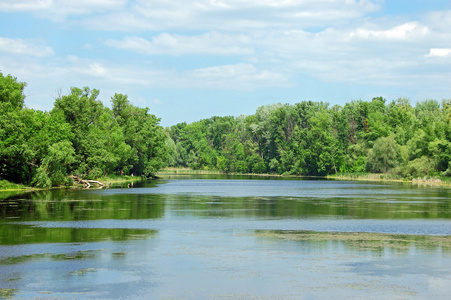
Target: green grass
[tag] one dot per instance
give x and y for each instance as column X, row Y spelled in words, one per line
column 186, row 171
column 120, row 178
column 6, row 185
column 425, row 180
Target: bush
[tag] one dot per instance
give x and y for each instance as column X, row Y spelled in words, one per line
column 423, row 166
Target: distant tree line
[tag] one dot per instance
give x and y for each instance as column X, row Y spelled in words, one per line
column 78, row 136
column 313, row 138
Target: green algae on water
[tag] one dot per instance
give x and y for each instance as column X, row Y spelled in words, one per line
column 363, row 240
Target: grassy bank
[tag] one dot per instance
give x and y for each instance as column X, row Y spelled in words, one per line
column 6, row 186
column 120, row 178
column 188, row 171
column 387, row 177
column 112, row 179
column 9, row 186
column 426, row 180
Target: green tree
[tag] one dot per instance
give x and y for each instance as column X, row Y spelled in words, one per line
column 81, row 110
column 11, row 93
column 55, row 167
column 143, row 134
column 384, row 155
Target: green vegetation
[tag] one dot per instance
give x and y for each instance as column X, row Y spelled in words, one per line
column 6, row 185
column 395, row 139
column 7, row 293
column 79, row 136
column 367, row 241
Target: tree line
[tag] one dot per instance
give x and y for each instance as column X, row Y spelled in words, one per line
column 79, row 136
column 316, row 139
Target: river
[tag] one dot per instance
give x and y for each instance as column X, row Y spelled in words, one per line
column 228, row 237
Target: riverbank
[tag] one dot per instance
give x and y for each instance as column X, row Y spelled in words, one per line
column 188, row 171
column 6, row 186
column 427, row 180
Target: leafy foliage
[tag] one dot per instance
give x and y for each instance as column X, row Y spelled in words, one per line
column 83, row 137
column 311, row 138
column 78, row 136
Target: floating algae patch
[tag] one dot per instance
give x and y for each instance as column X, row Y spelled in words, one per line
column 363, row 240
column 118, row 254
column 13, row 260
column 83, row 271
column 7, row 293
column 76, row 255
column 22, row 259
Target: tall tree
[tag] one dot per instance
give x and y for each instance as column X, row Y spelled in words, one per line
column 143, row 134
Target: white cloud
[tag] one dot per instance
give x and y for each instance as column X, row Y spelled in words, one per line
column 75, row 71
column 237, row 15
column 235, row 77
column 332, row 56
column 249, row 43
column 96, row 69
column 24, row 47
column 403, row 31
column 440, row 52
column 173, row 44
column 25, row 5
column 59, row 9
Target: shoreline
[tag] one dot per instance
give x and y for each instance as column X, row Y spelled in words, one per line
column 371, row 177
column 106, row 181
column 383, row 178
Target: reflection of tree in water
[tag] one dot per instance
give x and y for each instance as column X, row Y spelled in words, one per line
column 15, row 234
column 300, row 207
column 71, row 205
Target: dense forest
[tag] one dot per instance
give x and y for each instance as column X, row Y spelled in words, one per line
column 79, row 136
column 313, row 138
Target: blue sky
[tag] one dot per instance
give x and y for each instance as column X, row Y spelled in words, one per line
column 190, row 60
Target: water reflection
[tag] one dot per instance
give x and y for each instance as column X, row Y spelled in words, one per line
column 363, row 201
column 265, row 239
column 70, row 205
column 17, row 234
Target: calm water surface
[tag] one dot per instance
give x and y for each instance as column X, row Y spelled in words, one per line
column 220, row 237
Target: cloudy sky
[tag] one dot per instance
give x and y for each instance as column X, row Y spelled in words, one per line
column 189, row 60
